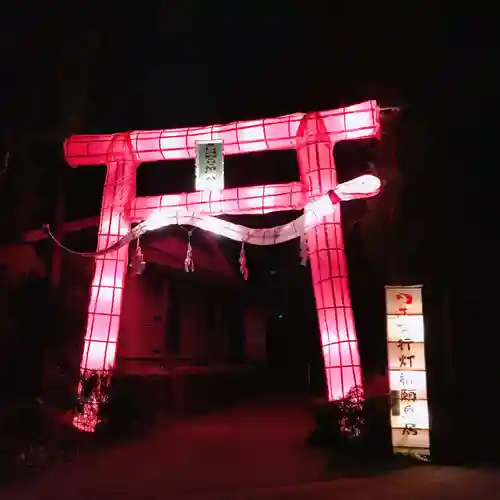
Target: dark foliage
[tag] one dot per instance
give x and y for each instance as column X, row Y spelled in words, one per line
column 112, row 403
column 124, row 414
column 340, row 423
column 32, row 437
column 356, row 434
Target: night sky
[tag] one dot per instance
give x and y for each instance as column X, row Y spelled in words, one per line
column 101, row 69
column 198, row 63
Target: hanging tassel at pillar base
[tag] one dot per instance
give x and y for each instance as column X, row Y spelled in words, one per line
column 243, row 262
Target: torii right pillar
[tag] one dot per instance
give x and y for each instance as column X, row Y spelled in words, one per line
column 328, row 262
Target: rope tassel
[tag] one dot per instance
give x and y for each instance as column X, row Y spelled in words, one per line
column 243, row 262
column 304, row 249
column 188, row 261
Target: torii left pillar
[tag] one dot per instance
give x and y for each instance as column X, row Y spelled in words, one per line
column 106, row 290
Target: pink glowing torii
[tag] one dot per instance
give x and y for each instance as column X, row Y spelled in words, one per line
column 313, row 135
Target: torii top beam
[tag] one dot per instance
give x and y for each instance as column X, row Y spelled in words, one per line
column 352, row 122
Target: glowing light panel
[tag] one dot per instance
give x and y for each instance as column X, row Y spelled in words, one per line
column 353, row 122
column 312, row 135
column 407, row 371
column 328, row 262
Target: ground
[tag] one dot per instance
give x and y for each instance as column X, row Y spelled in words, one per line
column 253, row 451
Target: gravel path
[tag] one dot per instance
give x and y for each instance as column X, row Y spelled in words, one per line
column 248, row 452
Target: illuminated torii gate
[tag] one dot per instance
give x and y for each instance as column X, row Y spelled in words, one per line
column 313, row 135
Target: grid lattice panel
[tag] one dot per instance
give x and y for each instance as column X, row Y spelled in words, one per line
column 353, row 122
column 312, row 135
column 328, row 263
column 106, row 292
column 245, row 200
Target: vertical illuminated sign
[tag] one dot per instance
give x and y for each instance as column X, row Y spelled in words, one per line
column 407, row 370
column 209, row 165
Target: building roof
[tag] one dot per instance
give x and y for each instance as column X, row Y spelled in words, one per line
column 167, row 248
